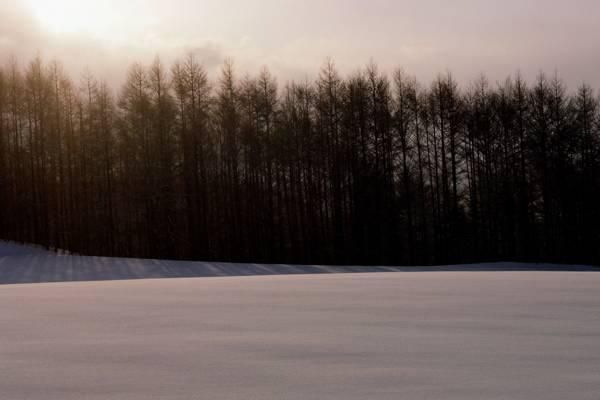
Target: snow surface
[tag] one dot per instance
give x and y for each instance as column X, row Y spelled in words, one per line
column 29, row 264
column 460, row 335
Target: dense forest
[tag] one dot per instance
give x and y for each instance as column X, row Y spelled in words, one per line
column 363, row 169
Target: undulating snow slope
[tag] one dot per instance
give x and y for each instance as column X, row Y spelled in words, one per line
column 28, row 264
column 437, row 335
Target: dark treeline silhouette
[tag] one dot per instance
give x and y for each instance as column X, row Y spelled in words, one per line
column 366, row 169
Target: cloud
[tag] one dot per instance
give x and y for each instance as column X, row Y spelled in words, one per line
column 19, row 31
column 22, row 37
column 294, row 38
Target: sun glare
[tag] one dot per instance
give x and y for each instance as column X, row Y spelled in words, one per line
column 73, row 16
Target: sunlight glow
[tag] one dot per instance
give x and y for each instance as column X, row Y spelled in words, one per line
column 74, row 16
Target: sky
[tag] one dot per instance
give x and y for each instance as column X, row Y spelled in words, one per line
column 293, row 38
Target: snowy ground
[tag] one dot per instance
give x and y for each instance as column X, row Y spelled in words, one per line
column 27, row 264
column 460, row 334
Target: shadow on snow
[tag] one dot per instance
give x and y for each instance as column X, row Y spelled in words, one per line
column 26, row 264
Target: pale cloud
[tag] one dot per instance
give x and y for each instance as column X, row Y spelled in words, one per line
column 292, row 38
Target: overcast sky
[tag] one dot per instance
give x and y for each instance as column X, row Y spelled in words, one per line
column 293, row 38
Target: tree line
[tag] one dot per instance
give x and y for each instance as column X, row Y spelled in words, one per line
column 363, row 169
